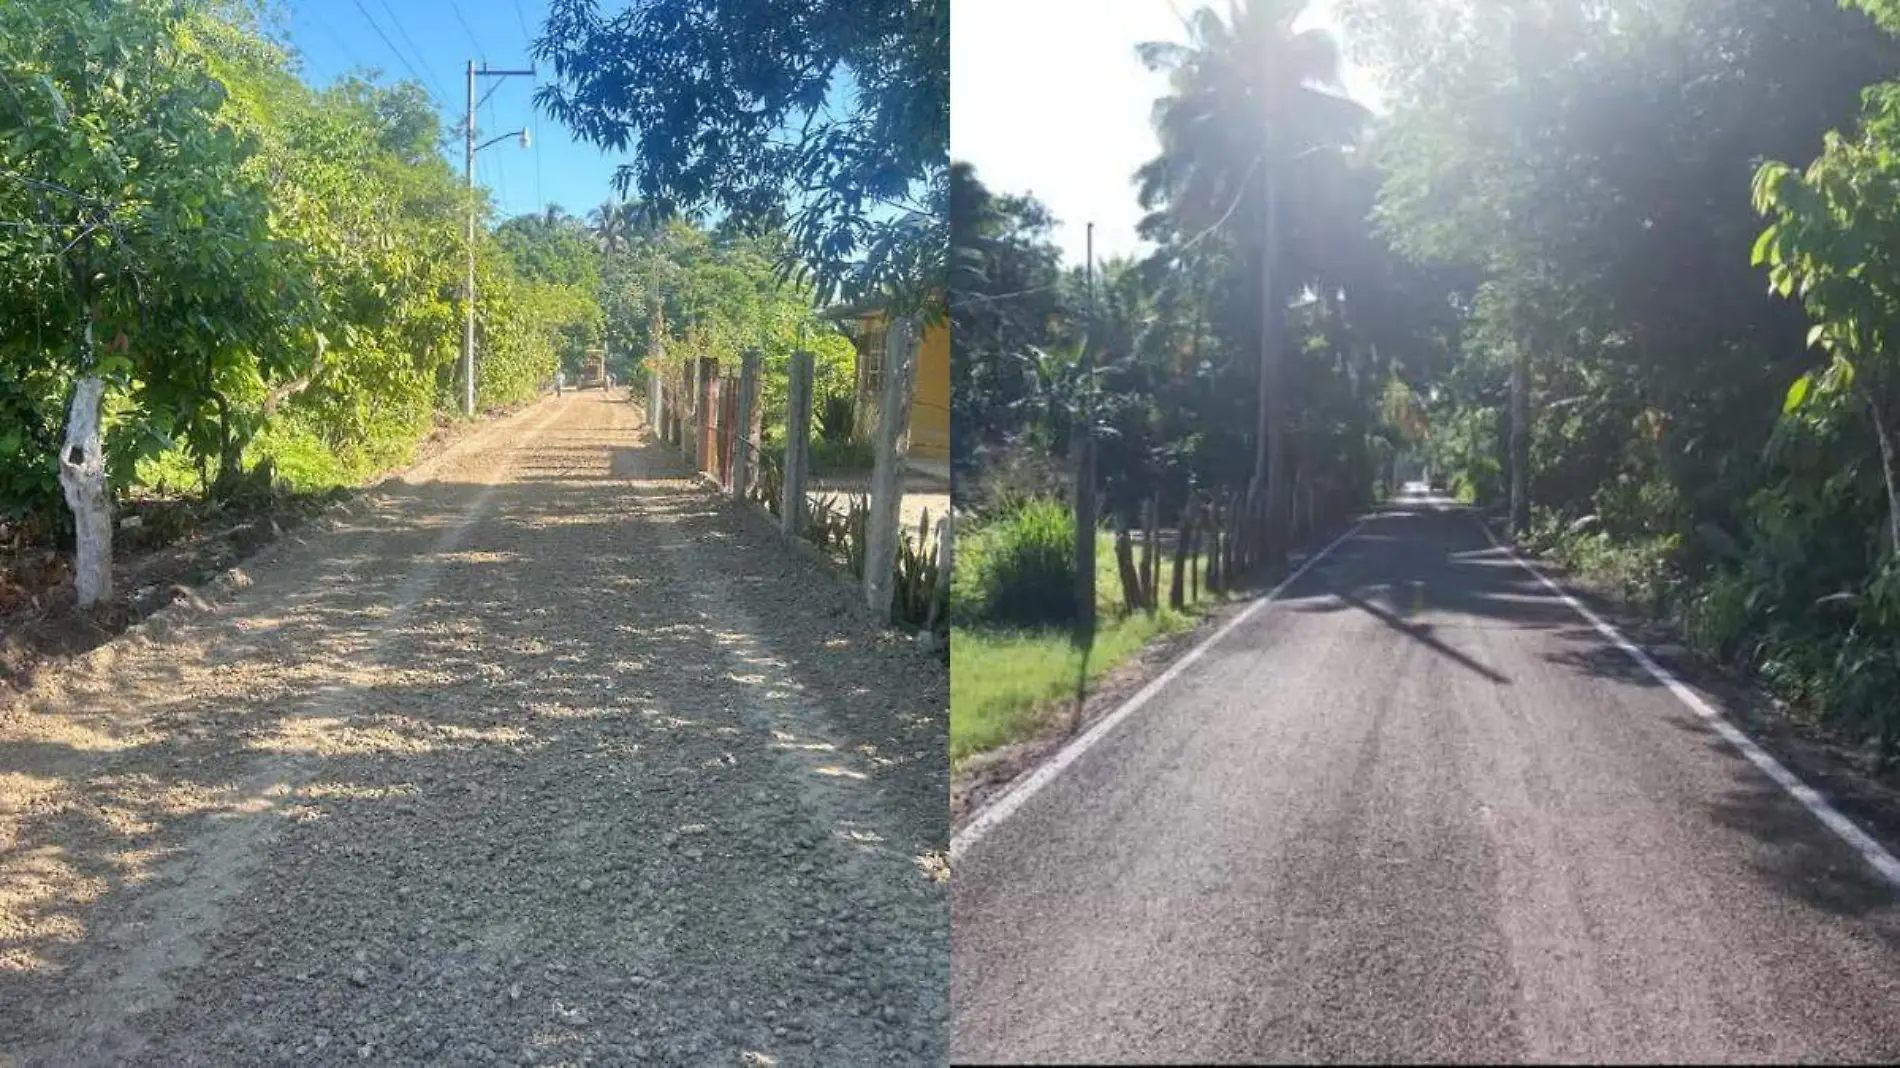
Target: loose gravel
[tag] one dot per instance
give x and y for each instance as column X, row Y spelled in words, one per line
column 541, row 757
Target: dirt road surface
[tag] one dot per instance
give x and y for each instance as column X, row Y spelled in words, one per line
column 540, row 757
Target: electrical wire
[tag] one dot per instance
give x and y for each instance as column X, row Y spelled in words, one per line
column 342, row 41
column 479, row 50
column 500, row 168
column 406, row 39
column 397, row 52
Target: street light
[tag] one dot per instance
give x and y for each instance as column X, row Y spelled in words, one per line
column 522, row 134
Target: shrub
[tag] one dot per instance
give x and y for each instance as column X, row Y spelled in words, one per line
column 1018, row 569
column 1718, row 616
column 1008, row 478
column 836, row 418
column 830, row 457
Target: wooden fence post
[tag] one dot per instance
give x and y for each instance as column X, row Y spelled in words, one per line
column 791, row 513
column 887, row 474
column 1197, row 520
column 746, row 440
column 1151, row 555
column 1125, row 564
column 655, row 401
column 1234, row 559
column 946, row 550
column 1212, row 527
column 1183, row 545
column 689, row 429
column 705, row 454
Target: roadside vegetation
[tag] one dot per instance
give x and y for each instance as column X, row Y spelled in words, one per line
column 227, row 294
column 1177, row 374
column 1617, row 271
column 1674, row 373
column 1010, row 683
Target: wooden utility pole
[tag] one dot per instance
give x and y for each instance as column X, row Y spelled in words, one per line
column 1085, row 467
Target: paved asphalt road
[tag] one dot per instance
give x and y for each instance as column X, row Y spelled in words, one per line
column 1418, row 810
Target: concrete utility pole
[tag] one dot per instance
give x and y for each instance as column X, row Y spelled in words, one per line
column 791, row 511
column 468, row 291
column 884, row 526
column 746, row 441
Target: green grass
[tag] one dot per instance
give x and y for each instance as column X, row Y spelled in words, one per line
column 1006, row 684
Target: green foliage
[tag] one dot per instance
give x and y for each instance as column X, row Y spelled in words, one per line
column 716, row 110
column 272, row 271
column 836, row 417
column 139, row 249
column 1017, row 569
column 833, row 457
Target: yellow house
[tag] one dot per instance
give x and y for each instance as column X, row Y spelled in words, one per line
column 930, row 404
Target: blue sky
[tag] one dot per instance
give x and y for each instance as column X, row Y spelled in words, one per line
column 432, row 41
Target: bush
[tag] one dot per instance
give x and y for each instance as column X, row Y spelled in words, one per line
column 1018, row 569
column 830, row 457
column 1718, row 617
column 836, row 418
column 1006, row 479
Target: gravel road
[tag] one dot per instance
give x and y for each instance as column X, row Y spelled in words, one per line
column 541, row 756
column 1418, row 810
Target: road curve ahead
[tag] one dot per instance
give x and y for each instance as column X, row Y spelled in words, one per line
column 1418, row 810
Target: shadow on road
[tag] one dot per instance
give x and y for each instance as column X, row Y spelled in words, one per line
column 461, row 746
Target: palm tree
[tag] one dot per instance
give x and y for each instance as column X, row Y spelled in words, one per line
column 609, row 225
column 1249, row 109
column 618, row 223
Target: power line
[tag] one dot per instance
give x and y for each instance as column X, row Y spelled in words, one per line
column 522, row 19
column 417, row 52
column 342, row 41
column 397, row 52
column 501, row 167
column 479, row 50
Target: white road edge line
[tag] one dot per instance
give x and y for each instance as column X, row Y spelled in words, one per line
column 1012, row 799
column 1871, row 851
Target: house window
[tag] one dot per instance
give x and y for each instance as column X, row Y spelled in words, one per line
column 871, row 358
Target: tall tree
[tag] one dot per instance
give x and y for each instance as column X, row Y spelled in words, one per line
column 1249, row 108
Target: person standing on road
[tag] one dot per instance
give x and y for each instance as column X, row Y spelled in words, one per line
column 560, row 380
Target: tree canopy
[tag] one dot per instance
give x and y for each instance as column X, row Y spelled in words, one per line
column 831, row 118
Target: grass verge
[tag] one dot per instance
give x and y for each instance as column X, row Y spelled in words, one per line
column 1007, row 684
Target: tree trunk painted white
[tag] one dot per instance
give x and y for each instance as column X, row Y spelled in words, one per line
column 791, row 515
column 887, row 474
column 82, row 475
